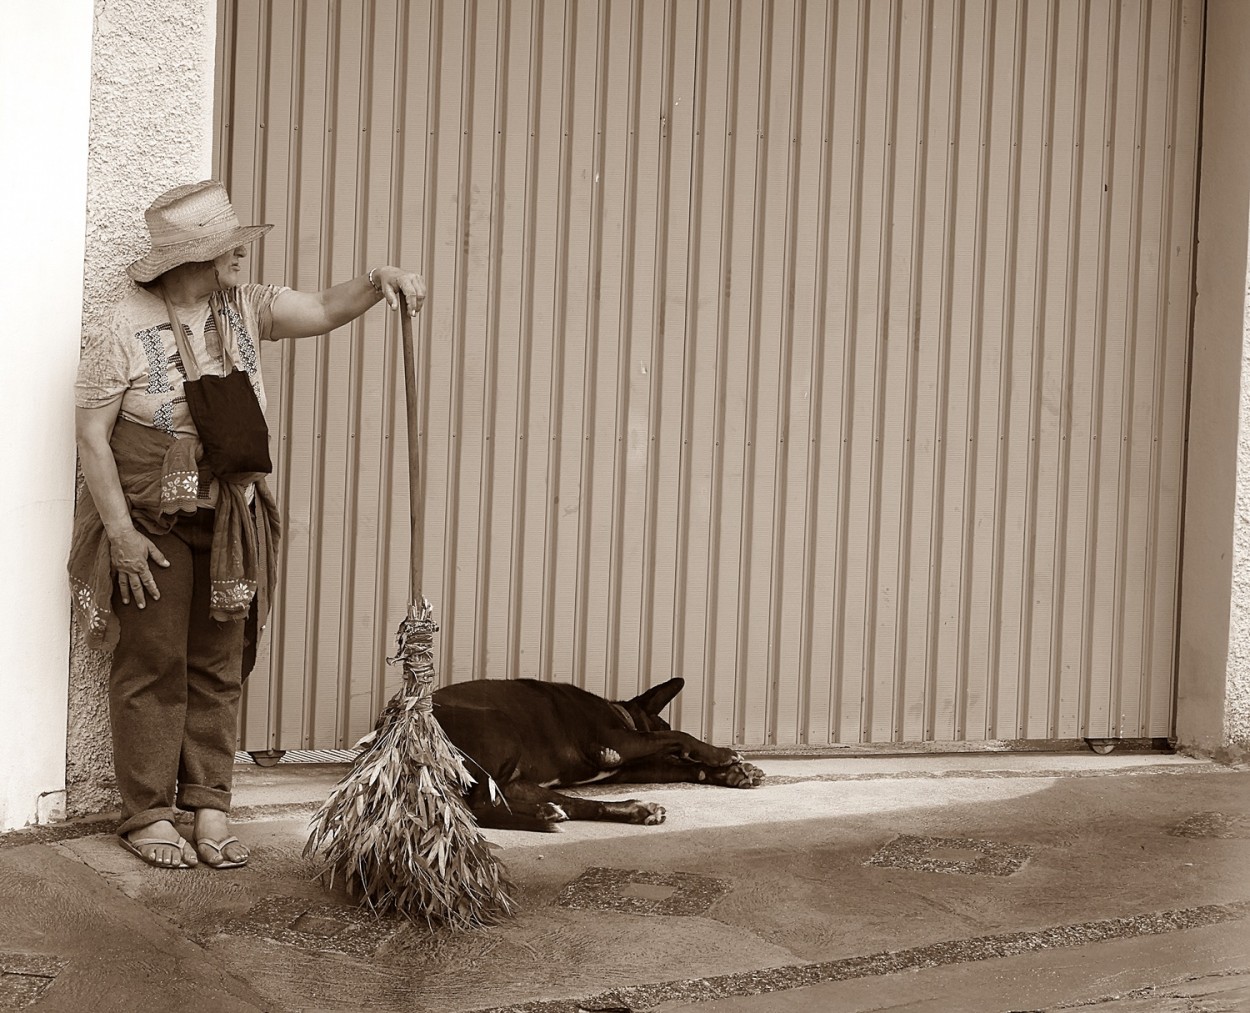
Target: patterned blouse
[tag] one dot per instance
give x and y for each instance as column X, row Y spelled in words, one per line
column 136, row 358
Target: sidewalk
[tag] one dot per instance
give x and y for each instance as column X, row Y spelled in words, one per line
column 965, row 882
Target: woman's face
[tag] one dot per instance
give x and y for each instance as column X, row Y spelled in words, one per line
column 229, row 267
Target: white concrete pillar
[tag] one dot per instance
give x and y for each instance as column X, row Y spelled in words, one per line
column 45, row 92
column 1213, row 695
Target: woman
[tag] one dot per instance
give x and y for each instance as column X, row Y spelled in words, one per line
column 172, row 565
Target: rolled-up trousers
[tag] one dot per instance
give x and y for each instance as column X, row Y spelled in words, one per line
column 175, row 686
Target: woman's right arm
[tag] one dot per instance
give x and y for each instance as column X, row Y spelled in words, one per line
column 129, row 547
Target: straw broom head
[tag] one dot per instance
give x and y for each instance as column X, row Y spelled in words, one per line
column 396, row 828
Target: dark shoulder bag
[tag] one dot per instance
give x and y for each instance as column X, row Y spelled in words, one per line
column 225, row 411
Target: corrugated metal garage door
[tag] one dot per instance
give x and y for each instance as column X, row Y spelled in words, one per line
column 829, row 354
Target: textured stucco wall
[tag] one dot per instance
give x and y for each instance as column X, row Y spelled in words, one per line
column 151, row 129
column 1237, row 702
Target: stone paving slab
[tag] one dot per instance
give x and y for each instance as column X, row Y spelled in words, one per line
column 1197, row 970
column 1217, row 993
column 76, row 944
column 319, row 928
column 764, row 991
column 643, row 892
column 956, row 855
column 25, row 977
column 1214, row 824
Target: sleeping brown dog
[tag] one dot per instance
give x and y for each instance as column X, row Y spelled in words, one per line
column 531, row 737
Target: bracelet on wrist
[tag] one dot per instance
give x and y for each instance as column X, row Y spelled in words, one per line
column 373, row 282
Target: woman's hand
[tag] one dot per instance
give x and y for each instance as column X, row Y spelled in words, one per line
column 130, row 551
column 394, row 282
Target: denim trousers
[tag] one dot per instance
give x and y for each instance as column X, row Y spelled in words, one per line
column 174, row 688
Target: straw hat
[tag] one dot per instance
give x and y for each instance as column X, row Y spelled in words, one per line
column 189, row 224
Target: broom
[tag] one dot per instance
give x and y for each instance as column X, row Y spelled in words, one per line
column 396, row 827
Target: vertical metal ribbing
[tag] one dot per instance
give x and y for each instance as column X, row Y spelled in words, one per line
column 611, row 656
column 784, row 494
column 435, row 268
column 588, row 330
column 809, row 730
column 688, row 598
column 548, row 223
column 748, row 623
column 318, row 470
column 350, row 475
column 1010, row 346
column 902, row 202
column 683, row 522
column 459, row 152
column 1090, row 588
column 711, row 655
column 911, row 335
column 972, row 381
column 284, row 413
column 942, row 676
column 284, row 462
column 332, row 530
column 525, row 328
column 1076, row 217
column 882, row 353
column 658, row 600
column 552, row 576
column 490, row 453
column 576, row 347
column 1027, row 594
column 847, row 427
column 1115, row 723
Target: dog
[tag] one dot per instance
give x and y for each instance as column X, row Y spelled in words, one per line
column 523, row 738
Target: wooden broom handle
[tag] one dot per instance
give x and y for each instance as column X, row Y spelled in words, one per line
column 416, row 491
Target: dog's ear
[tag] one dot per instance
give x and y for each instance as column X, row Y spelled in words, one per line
column 658, row 697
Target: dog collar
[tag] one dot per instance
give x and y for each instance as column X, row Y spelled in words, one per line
column 629, row 720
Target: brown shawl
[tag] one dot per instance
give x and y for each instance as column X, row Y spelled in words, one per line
column 160, row 476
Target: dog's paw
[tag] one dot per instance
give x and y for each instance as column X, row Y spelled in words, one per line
column 743, row 775
column 609, row 757
column 649, row 814
column 738, row 774
column 552, row 813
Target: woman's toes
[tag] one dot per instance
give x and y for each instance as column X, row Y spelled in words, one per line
column 160, row 845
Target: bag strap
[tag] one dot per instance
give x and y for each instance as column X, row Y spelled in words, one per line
column 189, row 362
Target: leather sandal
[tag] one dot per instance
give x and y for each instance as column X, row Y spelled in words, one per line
column 219, row 846
column 135, row 847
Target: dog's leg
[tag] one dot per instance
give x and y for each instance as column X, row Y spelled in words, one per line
column 739, row 774
column 633, row 746
column 515, row 805
column 525, row 796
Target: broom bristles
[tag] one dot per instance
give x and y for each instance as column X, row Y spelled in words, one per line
column 396, row 828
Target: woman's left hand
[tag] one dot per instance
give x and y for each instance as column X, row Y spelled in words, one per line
column 395, row 283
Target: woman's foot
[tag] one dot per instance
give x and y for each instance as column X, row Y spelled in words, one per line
column 214, row 843
column 159, row 844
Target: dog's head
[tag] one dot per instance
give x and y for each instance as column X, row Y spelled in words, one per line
column 645, row 708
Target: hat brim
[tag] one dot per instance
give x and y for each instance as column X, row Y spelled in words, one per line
column 160, row 259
